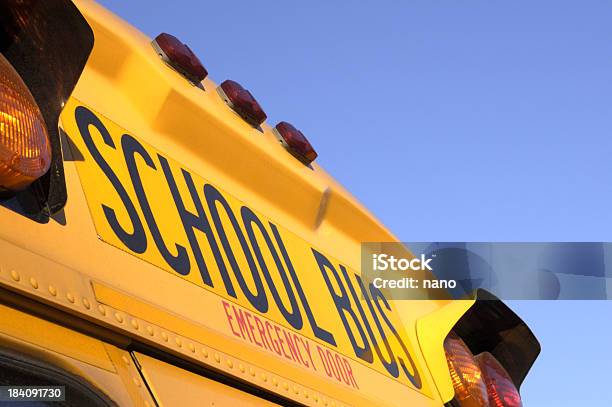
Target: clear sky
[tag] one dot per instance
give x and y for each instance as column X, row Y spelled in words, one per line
column 451, row 121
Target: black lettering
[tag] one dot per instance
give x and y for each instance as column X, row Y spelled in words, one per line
column 319, row 332
column 136, row 240
column 192, row 222
column 343, row 305
column 377, row 295
column 389, row 363
column 294, row 317
column 131, row 147
column 257, row 299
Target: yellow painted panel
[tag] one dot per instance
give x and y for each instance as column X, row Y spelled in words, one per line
column 147, row 204
column 172, row 386
column 53, row 337
column 369, row 387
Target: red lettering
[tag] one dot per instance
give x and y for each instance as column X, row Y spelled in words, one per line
column 242, row 323
column 262, row 332
column 229, row 319
column 252, row 329
column 349, row 371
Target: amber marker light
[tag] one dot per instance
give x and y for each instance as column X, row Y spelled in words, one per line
column 467, row 378
column 25, row 151
column 501, row 389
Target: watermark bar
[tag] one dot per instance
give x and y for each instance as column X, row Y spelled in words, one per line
column 511, row 271
column 32, row 393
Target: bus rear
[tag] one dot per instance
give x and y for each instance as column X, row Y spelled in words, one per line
column 161, row 244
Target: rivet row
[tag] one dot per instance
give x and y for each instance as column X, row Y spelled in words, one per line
column 16, row 276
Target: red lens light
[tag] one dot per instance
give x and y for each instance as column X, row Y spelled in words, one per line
column 180, row 57
column 242, row 102
column 469, row 385
column 25, row 150
column 295, row 142
column 501, row 389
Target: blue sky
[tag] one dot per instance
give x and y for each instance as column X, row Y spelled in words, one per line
column 496, row 116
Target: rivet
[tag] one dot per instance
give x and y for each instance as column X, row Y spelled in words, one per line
column 164, row 336
column 325, row 401
column 306, row 395
column 264, row 377
column 119, row 317
column 150, row 330
column 205, row 353
column 316, row 398
column 217, row 358
column 230, row 364
column 33, row 283
column 86, row 303
column 52, row 290
column 178, row 341
column 252, row 371
column 296, row 390
column 275, row 382
column 285, row 386
column 102, row 309
column 241, row 367
column 15, row 275
column 134, row 323
column 192, row 347
column 70, row 297
column 333, row 404
column 137, row 382
column 125, row 360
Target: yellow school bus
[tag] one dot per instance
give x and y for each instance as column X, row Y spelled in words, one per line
column 162, row 245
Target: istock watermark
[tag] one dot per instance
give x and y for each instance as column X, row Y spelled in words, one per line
column 383, row 261
column 394, row 278
column 513, row 271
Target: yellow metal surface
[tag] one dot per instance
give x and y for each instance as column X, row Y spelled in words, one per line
column 74, row 353
column 166, row 221
column 53, row 337
column 89, row 266
column 130, row 375
column 432, row 329
column 165, row 380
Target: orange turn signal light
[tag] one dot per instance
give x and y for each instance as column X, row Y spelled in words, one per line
column 25, row 150
column 466, row 375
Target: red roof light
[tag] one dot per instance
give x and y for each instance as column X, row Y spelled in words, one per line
column 243, row 102
column 295, row 142
column 180, row 57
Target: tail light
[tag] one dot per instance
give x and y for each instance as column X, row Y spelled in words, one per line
column 243, row 103
column 466, row 375
column 501, row 389
column 25, row 150
column 295, row 142
column 180, row 57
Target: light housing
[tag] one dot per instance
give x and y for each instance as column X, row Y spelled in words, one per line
column 180, row 57
column 242, row 102
column 25, row 149
column 467, row 378
column 295, row 142
column 502, row 391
